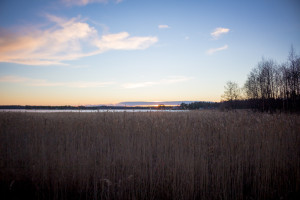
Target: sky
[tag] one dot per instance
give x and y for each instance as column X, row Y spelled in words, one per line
column 93, row 52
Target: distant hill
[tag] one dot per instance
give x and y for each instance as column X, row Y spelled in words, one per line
column 153, row 103
column 148, row 103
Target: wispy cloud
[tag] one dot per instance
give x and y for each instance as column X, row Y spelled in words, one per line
column 65, row 40
column 122, row 41
column 13, row 79
column 218, row 32
column 46, row 83
column 162, row 26
column 214, row 50
column 169, row 80
column 85, row 2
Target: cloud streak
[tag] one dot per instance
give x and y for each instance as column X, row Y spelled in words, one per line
column 214, row 50
column 169, row 80
column 45, row 83
column 122, row 41
column 218, row 32
column 163, row 26
column 85, row 2
column 65, row 40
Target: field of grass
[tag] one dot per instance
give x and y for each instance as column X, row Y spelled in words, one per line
column 185, row 155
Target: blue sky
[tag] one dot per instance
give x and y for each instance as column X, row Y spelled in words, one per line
column 79, row 52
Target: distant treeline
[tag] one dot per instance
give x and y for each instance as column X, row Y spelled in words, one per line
column 199, row 105
column 27, row 107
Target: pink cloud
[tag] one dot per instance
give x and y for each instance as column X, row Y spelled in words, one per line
column 65, row 40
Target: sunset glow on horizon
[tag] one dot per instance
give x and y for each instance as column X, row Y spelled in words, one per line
column 102, row 52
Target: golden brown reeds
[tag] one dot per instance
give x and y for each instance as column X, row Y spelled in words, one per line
column 184, row 155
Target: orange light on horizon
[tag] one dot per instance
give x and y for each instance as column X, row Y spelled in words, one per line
column 157, row 105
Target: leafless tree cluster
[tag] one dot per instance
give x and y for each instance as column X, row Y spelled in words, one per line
column 232, row 91
column 275, row 86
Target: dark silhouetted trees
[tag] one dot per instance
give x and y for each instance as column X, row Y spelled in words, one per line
column 199, row 105
column 271, row 87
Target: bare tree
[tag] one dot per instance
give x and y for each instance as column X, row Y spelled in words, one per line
column 232, row 91
column 294, row 73
column 266, row 73
column 262, row 81
column 251, row 86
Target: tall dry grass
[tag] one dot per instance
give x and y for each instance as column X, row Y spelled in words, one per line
column 190, row 155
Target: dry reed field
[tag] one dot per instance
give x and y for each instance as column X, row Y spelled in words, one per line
column 157, row 155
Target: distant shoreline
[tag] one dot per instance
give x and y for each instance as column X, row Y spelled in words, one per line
column 17, row 107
